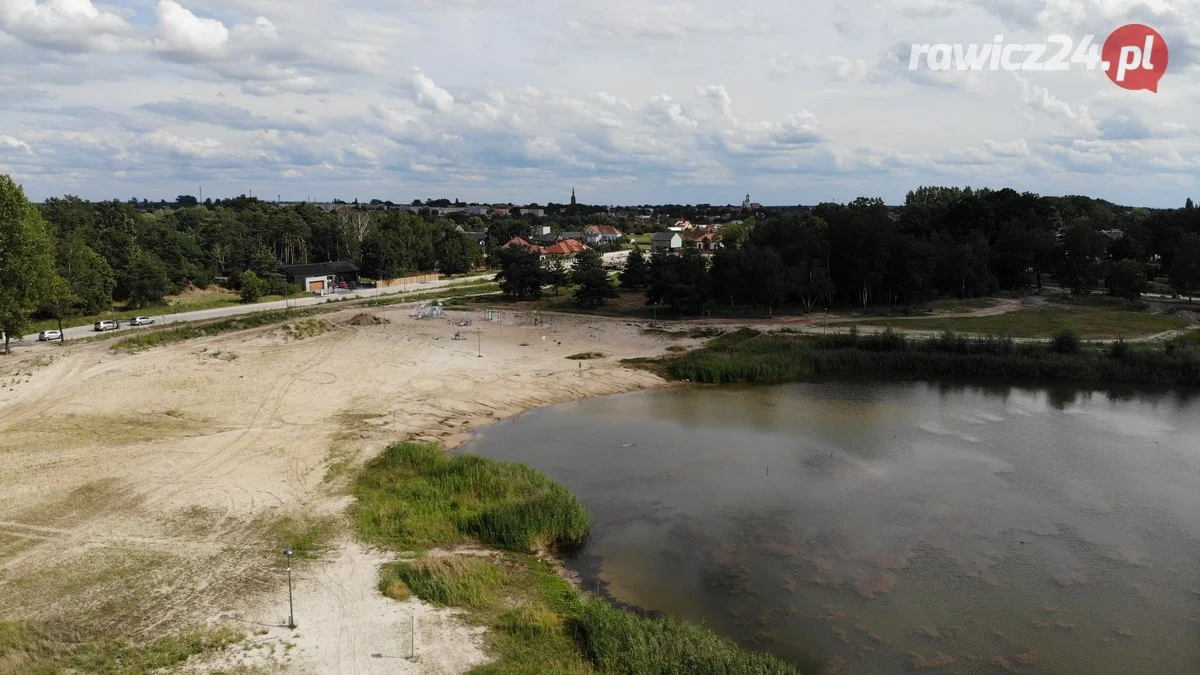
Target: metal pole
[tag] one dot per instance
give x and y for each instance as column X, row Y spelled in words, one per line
column 291, row 615
column 479, row 335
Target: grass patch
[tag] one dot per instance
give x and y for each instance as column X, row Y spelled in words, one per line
column 749, row 357
column 170, row 335
column 34, row 649
column 1089, row 322
column 586, row 356
column 960, row 306
column 415, row 496
column 308, row 536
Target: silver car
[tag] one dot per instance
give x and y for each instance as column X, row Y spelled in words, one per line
column 141, row 321
column 48, row 335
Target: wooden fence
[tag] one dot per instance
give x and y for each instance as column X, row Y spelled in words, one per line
column 406, row 281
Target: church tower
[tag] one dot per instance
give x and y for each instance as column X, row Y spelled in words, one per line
column 572, row 196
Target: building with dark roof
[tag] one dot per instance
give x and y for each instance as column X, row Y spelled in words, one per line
column 317, row 277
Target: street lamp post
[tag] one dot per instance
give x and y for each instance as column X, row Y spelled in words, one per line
column 291, row 618
column 479, row 339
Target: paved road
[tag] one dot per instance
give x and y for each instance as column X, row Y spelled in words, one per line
column 234, row 310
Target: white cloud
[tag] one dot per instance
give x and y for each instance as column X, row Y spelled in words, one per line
column 183, row 34
column 428, row 94
column 64, row 25
column 9, row 143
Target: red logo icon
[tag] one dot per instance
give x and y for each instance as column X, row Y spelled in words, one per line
column 1135, row 57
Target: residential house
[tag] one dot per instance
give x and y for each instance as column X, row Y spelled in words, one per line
column 577, row 236
column 681, row 226
column 567, row 248
column 517, row 241
column 602, row 234
column 500, row 211
column 666, row 241
column 706, row 242
column 537, row 213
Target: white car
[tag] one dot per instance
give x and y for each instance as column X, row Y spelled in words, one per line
column 48, row 335
column 105, row 325
column 141, row 321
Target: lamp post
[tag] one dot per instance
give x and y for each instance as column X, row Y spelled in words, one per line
column 479, row 340
column 291, row 619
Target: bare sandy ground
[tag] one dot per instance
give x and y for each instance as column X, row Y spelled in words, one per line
column 140, row 493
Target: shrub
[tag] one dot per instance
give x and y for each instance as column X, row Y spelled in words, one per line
column 1120, row 350
column 1066, row 342
column 252, row 286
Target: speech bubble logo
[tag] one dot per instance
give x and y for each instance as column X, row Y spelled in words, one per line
column 1135, row 57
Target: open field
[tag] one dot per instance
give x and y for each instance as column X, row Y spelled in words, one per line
column 147, row 496
column 1089, row 322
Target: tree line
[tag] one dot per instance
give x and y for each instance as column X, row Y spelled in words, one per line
column 945, row 241
column 942, row 241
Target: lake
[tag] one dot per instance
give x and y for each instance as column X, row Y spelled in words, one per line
column 893, row 526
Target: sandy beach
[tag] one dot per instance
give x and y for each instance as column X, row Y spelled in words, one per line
column 142, row 493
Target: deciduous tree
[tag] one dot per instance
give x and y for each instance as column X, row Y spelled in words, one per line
column 26, row 260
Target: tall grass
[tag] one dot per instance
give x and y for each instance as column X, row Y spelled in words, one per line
column 417, row 496
column 617, row 641
column 753, row 358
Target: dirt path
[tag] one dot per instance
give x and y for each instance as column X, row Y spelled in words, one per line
column 145, row 492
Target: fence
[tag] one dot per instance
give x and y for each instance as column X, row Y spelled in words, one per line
column 405, row 281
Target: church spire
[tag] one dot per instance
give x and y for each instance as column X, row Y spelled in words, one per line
column 572, row 195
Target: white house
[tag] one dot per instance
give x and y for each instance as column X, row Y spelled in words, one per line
column 666, row 241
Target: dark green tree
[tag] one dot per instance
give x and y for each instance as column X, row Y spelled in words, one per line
column 1126, row 279
column 1185, row 267
column 145, row 280
column 588, row 273
column 556, row 273
column 1080, row 258
column 633, row 276
column 455, row 252
column 26, row 260
column 521, row 275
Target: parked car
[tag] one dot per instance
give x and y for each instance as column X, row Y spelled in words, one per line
column 47, row 335
column 141, row 321
column 106, row 325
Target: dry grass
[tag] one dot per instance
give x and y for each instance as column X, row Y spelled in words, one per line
column 69, row 430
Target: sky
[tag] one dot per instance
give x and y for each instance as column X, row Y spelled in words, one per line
column 627, row 101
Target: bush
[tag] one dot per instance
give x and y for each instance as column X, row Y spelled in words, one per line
column 1120, row 350
column 1066, row 342
column 252, row 286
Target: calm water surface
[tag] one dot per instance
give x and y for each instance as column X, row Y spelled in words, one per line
column 887, row 527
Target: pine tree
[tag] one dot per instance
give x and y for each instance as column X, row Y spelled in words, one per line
column 634, row 276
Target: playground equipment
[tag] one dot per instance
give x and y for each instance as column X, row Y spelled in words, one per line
column 430, row 309
column 465, row 320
